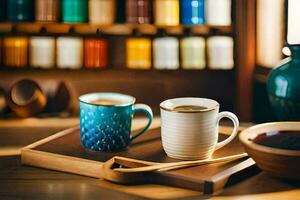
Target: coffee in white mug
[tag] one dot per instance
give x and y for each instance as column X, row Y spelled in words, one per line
column 190, row 127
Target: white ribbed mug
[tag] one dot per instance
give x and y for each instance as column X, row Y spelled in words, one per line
column 193, row 134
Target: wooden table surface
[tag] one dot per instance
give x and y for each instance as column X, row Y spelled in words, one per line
column 24, row 182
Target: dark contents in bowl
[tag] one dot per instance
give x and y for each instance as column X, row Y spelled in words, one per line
column 289, row 140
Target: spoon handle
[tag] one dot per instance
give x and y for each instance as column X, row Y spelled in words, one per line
column 177, row 165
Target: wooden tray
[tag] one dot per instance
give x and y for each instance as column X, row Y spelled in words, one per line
column 64, row 152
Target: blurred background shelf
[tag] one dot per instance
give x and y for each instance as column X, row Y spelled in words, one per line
column 115, row 29
column 148, row 86
column 232, row 88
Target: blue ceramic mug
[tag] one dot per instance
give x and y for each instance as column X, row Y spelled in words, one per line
column 105, row 120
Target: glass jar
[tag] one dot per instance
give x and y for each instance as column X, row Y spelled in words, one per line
column 138, row 51
column 42, row 52
column 165, row 52
column 192, row 12
column 192, row 52
column 95, row 52
column 19, row 10
column 47, row 10
column 218, row 12
column 166, row 12
column 74, row 11
column 69, row 53
column 102, row 12
column 138, row 11
column 220, row 52
column 15, row 51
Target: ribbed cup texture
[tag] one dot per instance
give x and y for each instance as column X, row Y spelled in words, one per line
column 189, row 136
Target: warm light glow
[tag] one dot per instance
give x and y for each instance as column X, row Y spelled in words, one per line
column 286, row 51
column 293, row 36
column 270, row 34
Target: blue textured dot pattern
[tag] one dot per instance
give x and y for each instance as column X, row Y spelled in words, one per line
column 105, row 128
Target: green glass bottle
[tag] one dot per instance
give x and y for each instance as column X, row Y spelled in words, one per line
column 74, row 11
column 19, row 10
column 284, row 87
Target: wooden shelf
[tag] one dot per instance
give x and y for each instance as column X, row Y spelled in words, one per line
column 114, row 72
column 115, row 29
column 151, row 86
column 91, row 74
column 233, row 88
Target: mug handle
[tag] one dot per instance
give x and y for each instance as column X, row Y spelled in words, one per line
column 235, row 121
column 147, row 110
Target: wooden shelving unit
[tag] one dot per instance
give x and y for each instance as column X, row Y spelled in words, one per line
column 149, row 86
column 115, row 29
column 232, row 88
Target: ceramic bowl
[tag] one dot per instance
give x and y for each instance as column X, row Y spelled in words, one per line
column 277, row 162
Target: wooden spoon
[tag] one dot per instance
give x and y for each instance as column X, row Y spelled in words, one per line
column 112, row 173
column 174, row 165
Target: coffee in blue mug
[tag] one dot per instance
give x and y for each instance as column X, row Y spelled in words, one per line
column 105, row 120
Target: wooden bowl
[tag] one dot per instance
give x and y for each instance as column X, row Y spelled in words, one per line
column 275, row 161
